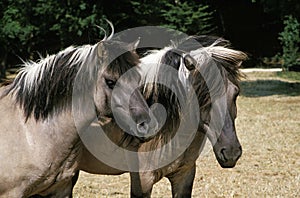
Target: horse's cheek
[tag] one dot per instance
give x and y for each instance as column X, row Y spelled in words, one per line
column 100, row 100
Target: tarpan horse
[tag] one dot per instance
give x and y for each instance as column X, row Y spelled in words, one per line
column 214, row 76
column 40, row 145
column 207, row 66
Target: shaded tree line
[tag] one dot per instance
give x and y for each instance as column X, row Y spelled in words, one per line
column 28, row 28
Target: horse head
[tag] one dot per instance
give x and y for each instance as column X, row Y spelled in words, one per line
column 212, row 72
column 118, row 84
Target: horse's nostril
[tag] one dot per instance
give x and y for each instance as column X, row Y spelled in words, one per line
column 142, row 128
column 223, row 154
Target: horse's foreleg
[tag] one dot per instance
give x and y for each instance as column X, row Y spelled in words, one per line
column 74, row 180
column 182, row 182
column 141, row 184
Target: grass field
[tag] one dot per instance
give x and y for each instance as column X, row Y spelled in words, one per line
column 268, row 126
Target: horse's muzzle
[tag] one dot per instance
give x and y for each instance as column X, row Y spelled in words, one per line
column 142, row 128
column 227, row 157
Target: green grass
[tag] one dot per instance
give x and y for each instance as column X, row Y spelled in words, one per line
column 293, row 76
column 257, row 84
column 289, row 75
column 269, row 87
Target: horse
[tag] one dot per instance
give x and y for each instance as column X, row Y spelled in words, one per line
column 212, row 71
column 40, row 144
column 198, row 60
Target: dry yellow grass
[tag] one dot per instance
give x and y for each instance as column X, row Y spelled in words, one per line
column 268, row 127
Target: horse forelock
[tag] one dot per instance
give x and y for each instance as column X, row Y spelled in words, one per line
column 122, row 64
column 41, row 86
column 230, row 60
column 119, row 58
column 226, row 58
column 216, row 61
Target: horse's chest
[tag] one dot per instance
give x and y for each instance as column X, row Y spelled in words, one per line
column 171, row 168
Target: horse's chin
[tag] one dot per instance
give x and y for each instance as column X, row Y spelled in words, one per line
column 227, row 164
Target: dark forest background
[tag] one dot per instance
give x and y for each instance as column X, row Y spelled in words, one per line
column 29, row 28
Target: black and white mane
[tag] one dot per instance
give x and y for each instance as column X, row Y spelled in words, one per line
column 157, row 79
column 41, row 86
column 44, row 87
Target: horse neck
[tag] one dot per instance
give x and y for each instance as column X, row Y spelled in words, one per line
column 197, row 145
column 62, row 125
column 52, row 131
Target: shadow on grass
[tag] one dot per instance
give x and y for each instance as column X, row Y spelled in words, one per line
column 260, row 88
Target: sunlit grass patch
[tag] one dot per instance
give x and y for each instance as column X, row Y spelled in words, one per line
column 289, row 75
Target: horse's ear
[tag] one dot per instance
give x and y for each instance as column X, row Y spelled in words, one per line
column 190, row 62
column 101, row 49
column 133, row 46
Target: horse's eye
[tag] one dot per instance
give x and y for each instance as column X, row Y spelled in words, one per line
column 110, row 83
column 177, row 62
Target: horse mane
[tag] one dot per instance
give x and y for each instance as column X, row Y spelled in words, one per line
column 149, row 68
column 155, row 75
column 46, row 86
column 40, row 86
column 227, row 59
